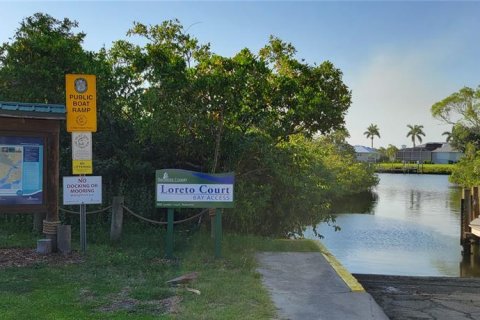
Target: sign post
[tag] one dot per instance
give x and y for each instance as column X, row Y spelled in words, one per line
column 83, row 227
column 188, row 189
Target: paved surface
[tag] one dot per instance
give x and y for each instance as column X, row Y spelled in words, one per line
column 429, row 298
column 305, row 286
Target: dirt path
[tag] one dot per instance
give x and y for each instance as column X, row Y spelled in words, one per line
column 438, row 298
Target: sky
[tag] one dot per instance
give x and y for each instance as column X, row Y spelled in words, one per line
column 397, row 58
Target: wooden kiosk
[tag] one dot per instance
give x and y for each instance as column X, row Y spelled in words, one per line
column 29, row 161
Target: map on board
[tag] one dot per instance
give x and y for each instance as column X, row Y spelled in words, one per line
column 21, row 170
column 11, row 160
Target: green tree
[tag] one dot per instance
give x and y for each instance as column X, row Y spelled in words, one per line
column 448, row 136
column 371, row 132
column 391, row 152
column 171, row 102
column 461, row 110
column 415, row 132
column 33, row 66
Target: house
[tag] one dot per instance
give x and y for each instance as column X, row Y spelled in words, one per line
column 366, row 154
column 446, row 154
column 420, row 154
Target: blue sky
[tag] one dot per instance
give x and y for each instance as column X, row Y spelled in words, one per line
column 398, row 58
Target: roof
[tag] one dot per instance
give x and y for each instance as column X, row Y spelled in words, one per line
column 446, row 147
column 362, row 149
column 32, row 110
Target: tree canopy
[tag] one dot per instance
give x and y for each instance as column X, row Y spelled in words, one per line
column 170, row 102
column 461, row 109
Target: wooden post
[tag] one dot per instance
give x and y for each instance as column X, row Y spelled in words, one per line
column 53, row 176
column 64, row 239
column 476, row 205
column 117, row 219
column 38, row 218
column 467, row 209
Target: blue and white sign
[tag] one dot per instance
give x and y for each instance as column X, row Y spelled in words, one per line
column 189, row 189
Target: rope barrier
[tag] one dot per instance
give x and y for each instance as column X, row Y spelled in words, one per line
column 163, row 222
column 139, row 216
column 50, row 227
column 89, row 212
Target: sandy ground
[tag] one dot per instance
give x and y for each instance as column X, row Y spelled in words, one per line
column 439, row 298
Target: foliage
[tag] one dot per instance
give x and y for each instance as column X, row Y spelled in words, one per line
column 424, row 168
column 467, row 172
column 43, row 51
column 170, row 102
column 371, row 132
column 391, row 152
column 461, row 110
column 416, row 132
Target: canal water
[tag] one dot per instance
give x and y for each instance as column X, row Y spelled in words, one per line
column 409, row 225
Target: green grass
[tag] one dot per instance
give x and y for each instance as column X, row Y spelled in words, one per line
column 424, row 168
column 132, row 274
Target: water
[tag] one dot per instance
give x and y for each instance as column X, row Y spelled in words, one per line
column 410, row 227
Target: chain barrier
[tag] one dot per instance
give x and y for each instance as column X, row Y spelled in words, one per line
column 164, row 222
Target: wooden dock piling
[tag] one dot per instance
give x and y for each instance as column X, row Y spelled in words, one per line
column 470, row 210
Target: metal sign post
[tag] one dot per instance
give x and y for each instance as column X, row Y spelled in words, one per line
column 83, row 227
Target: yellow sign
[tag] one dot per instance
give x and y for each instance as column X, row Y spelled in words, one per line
column 81, row 102
column 82, row 167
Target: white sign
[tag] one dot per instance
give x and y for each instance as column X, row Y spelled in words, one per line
column 81, row 146
column 82, row 190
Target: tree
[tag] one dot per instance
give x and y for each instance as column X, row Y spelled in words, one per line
column 371, row 132
column 391, row 152
column 461, row 109
column 33, row 66
column 448, row 136
column 416, row 132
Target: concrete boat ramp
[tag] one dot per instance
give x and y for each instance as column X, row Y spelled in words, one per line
column 312, row 285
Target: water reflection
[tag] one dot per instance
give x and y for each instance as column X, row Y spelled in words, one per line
column 411, row 228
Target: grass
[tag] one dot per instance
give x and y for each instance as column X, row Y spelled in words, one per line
column 127, row 279
column 424, row 168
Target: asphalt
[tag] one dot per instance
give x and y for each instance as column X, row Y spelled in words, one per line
column 307, row 285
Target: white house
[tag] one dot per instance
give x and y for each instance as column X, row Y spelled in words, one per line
column 446, row 154
column 366, row 154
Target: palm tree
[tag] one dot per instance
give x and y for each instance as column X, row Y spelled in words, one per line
column 371, row 132
column 391, row 152
column 448, row 135
column 416, row 132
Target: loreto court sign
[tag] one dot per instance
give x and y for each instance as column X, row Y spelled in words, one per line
column 188, row 189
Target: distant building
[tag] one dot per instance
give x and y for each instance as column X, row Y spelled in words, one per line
column 446, row 154
column 421, row 153
column 366, row 154
column 430, row 152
